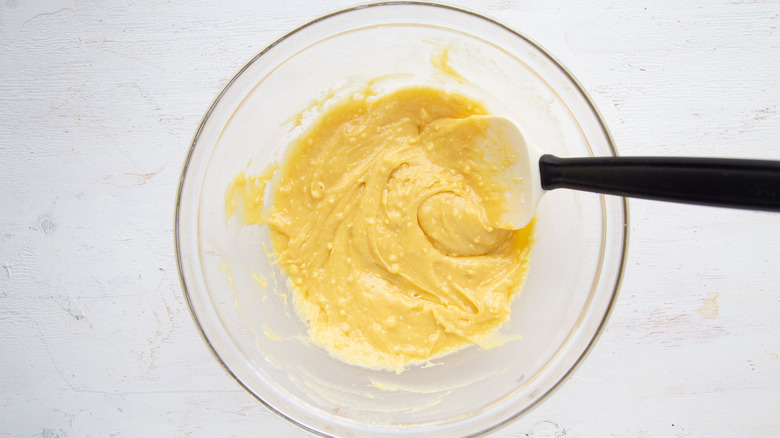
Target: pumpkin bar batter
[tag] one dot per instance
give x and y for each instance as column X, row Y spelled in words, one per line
column 385, row 218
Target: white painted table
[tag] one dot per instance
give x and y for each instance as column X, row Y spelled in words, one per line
column 97, row 108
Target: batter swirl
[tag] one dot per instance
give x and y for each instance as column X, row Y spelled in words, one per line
column 385, row 220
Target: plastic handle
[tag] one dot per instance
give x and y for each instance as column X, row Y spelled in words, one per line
column 748, row 184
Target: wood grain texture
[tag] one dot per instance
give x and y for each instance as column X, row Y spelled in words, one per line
column 99, row 102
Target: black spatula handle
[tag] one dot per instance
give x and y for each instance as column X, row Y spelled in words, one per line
column 748, row 184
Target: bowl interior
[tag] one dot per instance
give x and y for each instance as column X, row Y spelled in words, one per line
column 242, row 302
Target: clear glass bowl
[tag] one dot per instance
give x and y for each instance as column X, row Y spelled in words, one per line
column 252, row 327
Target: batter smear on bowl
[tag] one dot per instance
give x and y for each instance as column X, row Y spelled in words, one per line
column 386, row 218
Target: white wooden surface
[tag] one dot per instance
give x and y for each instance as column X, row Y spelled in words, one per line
column 98, row 104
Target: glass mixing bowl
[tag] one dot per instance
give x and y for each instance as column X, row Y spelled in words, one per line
column 240, row 299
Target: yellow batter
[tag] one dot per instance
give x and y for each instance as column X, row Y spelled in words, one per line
column 385, row 218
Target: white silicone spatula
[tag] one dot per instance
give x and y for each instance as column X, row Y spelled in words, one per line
column 737, row 183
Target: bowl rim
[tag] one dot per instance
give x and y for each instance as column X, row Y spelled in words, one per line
column 602, row 125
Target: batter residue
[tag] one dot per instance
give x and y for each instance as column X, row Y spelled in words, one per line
column 385, row 218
